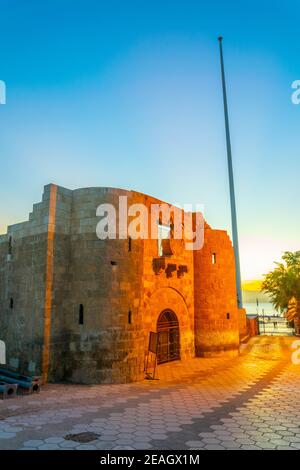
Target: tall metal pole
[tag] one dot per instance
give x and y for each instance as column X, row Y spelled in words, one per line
column 231, row 185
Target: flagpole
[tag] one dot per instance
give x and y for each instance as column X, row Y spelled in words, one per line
column 231, row 185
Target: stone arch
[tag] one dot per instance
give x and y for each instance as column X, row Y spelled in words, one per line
column 169, row 337
column 168, row 298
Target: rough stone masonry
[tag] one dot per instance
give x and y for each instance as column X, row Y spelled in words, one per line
column 76, row 308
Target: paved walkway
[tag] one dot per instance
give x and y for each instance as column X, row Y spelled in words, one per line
column 251, row 402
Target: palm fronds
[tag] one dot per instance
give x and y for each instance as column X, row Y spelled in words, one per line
column 283, row 284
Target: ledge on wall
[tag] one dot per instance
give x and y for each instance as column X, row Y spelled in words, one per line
column 165, row 265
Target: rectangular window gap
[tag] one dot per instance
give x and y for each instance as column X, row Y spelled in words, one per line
column 164, row 240
column 10, row 246
column 81, row 311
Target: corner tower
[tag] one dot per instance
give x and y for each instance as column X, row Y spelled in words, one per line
column 216, row 308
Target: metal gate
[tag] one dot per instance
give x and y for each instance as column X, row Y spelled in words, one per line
column 169, row 341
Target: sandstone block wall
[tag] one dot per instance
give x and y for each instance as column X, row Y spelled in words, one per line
column 105, row 278
column 168, row 289
column 83, row 308
column 216, row 312
column 253, row 326
column 23, row 261
column 243, row 323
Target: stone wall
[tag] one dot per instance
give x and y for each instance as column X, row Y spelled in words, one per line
column 253, row 326
column 22, row 289
column 243, row 324
column 83, row 308
column 58, row 264
column 216, row 311
column 103, row 279
column 168, row 284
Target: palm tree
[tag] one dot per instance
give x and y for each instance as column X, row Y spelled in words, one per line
column 283, row 286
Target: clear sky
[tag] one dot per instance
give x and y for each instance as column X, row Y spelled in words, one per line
column 128, row 94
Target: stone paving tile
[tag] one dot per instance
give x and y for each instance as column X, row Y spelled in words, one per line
column 33, row 443
column 250, row 402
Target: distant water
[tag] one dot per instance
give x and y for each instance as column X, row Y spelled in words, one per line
column 252, row 309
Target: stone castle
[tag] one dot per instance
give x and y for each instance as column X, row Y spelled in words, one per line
column 79, row 309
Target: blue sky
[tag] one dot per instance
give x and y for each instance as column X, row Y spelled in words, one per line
column 128, row 94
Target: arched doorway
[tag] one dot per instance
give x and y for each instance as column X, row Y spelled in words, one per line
column 169, row 344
